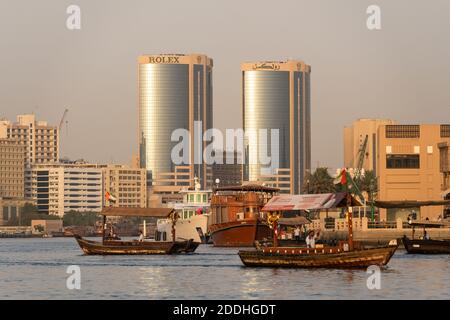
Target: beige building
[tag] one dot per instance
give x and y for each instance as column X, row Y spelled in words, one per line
column 12, row 164
column 281, row 179
column 361, row 137
column 410, row 168
column 41, row 140
column 175, row 93
column 63, row 187
column 127, row 184
column 277, row 95
column 11, row 209
column 445, row 169
column 46, row 226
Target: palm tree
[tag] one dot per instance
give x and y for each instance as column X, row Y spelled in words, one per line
column 318, row 182
column 368, row 183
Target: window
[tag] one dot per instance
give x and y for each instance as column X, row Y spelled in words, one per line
column 191, row 198
column 204, row 198
column 402, row 161
column 445, row 130
column 199, row 199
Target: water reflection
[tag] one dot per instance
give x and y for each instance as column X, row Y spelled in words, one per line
column 35, row 269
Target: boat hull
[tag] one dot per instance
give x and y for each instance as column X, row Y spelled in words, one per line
column 90, row 247
column 418, row 246
column 241, row 233
column 320, row 258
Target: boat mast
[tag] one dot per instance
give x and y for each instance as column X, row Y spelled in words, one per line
column 103, row 229
column 174, row 218
column 350, row 220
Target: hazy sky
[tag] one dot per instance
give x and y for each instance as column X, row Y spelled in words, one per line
column 401, row 71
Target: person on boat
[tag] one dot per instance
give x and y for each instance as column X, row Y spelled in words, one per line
column 425, row 235
column 311, row 239
column 141, row 236
column 297, row 233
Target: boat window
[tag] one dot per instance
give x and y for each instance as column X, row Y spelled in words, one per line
column 199, row 199
column 204, row 198
column 191, row 198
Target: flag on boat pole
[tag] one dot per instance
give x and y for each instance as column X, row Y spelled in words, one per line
column 341, row 178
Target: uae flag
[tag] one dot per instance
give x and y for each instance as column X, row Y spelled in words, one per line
column 109, row 197
column 341, row 178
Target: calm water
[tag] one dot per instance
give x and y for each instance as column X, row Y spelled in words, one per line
column 36, row 269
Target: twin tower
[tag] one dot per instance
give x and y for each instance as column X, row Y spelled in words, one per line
column 176, row 91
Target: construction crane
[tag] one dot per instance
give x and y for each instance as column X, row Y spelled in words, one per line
column 62, row 119
column 360, row 157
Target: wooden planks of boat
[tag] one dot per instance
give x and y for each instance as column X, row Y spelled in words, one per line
column 426, row 246
column 327, row 257
column 114, row 247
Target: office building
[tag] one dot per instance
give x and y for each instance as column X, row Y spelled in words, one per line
column 175, row 92
column 276, row 95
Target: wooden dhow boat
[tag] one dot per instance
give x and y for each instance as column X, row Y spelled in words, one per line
column 326, row 257
column 135, row 247
column 236, row 217
column 348, row 254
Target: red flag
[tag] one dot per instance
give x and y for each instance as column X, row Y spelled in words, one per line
column 344, row 177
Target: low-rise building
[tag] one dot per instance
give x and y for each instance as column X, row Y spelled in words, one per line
column 229, row 172
column 361, row 136
column 11, row 209
column 64, row 187
column 127, row 184
column 410, row 167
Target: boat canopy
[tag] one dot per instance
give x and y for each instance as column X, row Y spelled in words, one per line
column 137, row 212
column 425, row 223
column 293, row 221
column 409, row 204
column 248, row 187
column 287, row 202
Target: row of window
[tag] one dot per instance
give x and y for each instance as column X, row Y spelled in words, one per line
column 129, row 201
column 12, row 163
column 11, row 182
column 402, row 131
column 130, row 189
column 129, row 195
column 197, row 197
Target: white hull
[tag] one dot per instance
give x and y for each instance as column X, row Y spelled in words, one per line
column 185, row 229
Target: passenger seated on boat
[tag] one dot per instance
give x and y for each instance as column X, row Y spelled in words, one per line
column 297, row 233
column 141, row 236
column 425, row 236
column 311, row 239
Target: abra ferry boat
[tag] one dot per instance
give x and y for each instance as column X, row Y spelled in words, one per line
column 426, row 245
column 115, row 246
column 348, row 254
